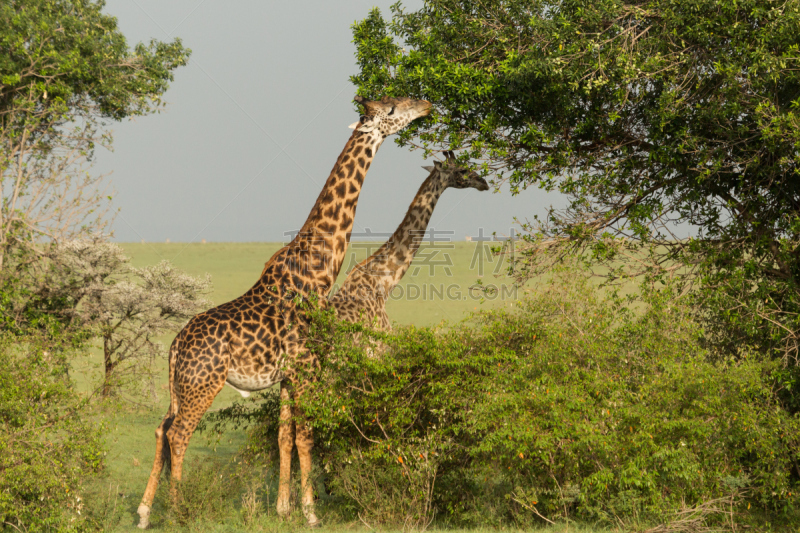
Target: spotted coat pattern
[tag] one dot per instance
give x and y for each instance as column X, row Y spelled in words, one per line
column 256, row 340
column 363, row 294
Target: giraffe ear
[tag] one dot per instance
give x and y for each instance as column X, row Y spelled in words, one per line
column 429, row 168
column 354, row 124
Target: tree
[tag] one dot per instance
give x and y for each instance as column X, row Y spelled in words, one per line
column 649, row 115
column 75, row 291
column 65, row 71
column 128, row 307
column 131, row 313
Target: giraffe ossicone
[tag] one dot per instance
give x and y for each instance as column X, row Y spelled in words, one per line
column 248, row 341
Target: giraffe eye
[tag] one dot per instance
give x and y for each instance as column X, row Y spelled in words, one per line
column 391, row 111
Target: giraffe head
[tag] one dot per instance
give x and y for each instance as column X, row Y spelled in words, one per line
column 452, row 174
column 386, row 116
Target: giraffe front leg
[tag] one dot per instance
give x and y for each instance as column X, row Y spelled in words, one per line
column 305, row 443
column 285, row 445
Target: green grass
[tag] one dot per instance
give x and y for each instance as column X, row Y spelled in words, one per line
column 450, row 269
column 130, row 442
column 436, row 288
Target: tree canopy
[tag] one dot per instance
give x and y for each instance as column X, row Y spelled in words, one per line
column 72, row 58
column 65, row 71
column 647, row 114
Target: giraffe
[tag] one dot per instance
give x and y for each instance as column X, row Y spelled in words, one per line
column 363, row 294
column 256, row 340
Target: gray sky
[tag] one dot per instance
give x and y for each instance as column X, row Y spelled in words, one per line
column 254, row 125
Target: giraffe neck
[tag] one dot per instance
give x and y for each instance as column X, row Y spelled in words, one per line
column 387, row 266
column 318, row 249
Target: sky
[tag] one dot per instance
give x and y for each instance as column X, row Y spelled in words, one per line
column 254, row 124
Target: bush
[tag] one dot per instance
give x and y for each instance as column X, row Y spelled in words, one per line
column 259, row 463
column 205, row 493
column 572, row 406
column 48, row 445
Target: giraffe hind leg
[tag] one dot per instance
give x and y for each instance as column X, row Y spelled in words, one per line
column 172, row 436
column 162, row 462
column 190, row 412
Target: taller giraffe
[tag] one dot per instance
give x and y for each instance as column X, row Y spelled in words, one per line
column 255, row 340
column 363, row 294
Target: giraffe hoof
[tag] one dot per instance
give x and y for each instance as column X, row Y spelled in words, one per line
column 313, row 521
column 144, row 516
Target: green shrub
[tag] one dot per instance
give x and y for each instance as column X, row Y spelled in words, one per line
column 48, row 444
column 207, row 492
column 259, row 464
column 571, row 406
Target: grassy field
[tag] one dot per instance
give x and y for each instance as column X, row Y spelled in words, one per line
column 439, row 286
column 436, row 289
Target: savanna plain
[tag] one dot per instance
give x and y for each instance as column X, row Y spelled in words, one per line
column 556, row 406
column 441, row 286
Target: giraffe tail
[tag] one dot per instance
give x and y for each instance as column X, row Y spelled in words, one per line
column 166, row 454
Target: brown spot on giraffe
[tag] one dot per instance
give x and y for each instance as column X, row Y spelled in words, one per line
column 257, row 340
column 363, row 294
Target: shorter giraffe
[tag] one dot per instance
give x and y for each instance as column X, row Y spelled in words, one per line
column 363, row 294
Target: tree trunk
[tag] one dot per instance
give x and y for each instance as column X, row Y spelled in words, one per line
column 109, row 365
